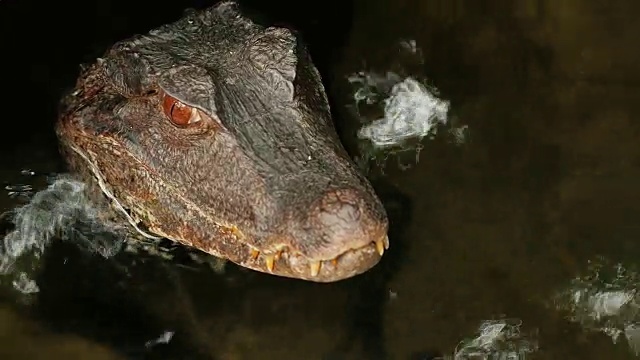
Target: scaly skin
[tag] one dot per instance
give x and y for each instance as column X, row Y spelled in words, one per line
column 215, row 132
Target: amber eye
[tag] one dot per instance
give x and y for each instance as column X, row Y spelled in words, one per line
column 179, row 113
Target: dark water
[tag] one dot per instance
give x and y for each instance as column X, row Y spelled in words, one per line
column 493, row 228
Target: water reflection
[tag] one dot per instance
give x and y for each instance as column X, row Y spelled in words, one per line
column 491, row 229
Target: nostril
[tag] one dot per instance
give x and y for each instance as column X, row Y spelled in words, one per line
column 339, row 219
column 337, row 222
column 338, row 198
column 343, row 220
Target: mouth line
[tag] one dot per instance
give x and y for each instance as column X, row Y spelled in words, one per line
column 258, row 259
column 269, row 259
column 115, row 203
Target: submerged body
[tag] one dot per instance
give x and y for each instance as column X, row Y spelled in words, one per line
column 215, row 132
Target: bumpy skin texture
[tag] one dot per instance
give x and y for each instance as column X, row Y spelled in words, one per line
column 262, row 180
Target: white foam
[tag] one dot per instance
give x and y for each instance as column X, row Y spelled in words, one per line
column 62, row 210
column 605, row 299
column 406, row 107
column 496, row 340
column 410, row 111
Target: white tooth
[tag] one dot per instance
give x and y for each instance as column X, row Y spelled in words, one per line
column 270, row 259
column 386, row 242
column 315, row 267
column 380, row 247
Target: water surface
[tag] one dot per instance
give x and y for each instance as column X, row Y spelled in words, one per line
column 544, row 185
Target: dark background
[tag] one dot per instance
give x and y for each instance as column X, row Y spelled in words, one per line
column 44, row 43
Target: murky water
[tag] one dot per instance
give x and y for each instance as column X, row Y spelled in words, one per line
column 527, row 228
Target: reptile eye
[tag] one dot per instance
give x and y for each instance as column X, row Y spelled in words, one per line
column 178, row 113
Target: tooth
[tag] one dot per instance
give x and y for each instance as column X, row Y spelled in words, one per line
column 386, row 242
column 315, row 267
column 254, row 254
column 380, row 246
column 269, row 259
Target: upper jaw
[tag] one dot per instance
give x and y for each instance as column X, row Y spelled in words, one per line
column 289, row 262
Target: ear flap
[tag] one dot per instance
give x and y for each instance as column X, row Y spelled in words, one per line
column 273, row 53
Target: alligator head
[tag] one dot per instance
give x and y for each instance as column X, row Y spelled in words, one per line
column 215, row 132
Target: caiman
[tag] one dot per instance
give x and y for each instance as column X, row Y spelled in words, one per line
column 215, row 132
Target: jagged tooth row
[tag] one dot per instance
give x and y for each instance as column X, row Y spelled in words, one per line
column 381, row 245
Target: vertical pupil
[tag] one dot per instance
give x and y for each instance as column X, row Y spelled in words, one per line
column 173, row 106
